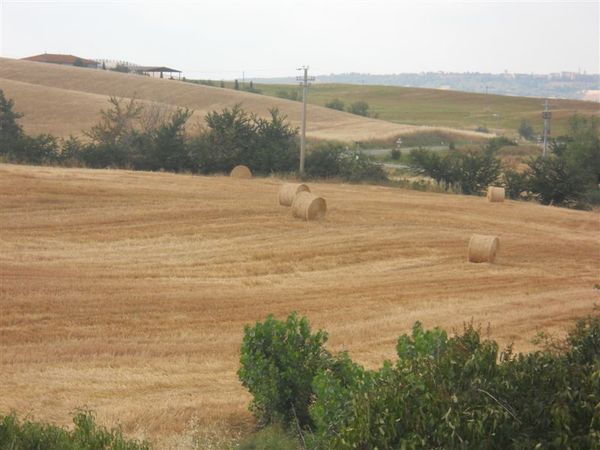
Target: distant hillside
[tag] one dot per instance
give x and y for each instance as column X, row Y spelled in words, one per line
column 417, row 106
column 569, row 85
column 64, row 100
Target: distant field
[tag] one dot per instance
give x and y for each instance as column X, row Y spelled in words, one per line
column 63, row 100
column 127, row 292
column 418, row 106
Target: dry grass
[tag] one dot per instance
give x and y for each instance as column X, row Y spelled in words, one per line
column 127, row 291
column 64, row 100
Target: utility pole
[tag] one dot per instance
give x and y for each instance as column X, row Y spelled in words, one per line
column 546, row 115
column 304, row 79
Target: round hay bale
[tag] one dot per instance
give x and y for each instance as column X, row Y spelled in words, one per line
column 495, row 194
column 307, row 206
column 240, row 172
column 483, row 248
column 288, row 192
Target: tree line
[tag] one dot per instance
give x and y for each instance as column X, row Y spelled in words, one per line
column 568, row 176
column 131, row 135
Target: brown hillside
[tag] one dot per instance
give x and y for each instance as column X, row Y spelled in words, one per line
column 127, row 292
column 46, row 93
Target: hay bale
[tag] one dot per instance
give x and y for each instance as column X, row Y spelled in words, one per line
column 288, row 192
column 495, row 194
column 483, row 248
column 307, row 206
column 240, row 172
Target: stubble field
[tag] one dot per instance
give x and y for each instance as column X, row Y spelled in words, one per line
column 127, row 292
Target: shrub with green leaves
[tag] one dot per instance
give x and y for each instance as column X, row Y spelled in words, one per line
column 471, row 171
column 454, row 392
column 515, row 183
column 86, row 435
column 331, row 160
column 279, row 360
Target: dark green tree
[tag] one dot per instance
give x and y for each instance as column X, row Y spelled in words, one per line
column 11, row 132
column 526, row 130
column 360, row 108
column 336, row 103
column 555, row 181
column 582, row 149
column 278, row 362
column 168, row 149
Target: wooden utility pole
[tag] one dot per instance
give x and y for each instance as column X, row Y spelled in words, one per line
column 546, row 115
column 304, row 79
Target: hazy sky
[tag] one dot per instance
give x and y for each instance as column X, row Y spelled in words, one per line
column 223, row 38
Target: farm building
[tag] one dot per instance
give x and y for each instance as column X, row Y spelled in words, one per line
column 156, row 71
column 66, row 60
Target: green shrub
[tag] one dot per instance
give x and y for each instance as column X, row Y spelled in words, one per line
column 396, row 154
column 29, row 435
column 360, row 108
column 555, row 181
column 279, row 360
column 526, row 130
column 237, row 137
column 515, row 183
column 331, row 160
column 471, row 171
column 336, row 103
column 496, row 143
column 455, row 392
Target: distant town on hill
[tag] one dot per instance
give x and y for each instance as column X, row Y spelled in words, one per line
column 572, row 85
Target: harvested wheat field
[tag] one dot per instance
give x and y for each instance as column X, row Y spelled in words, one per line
column 64, row 100
column 127, row 292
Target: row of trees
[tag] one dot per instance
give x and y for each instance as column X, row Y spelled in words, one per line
column 360, row 107
column 442, row 391
column 569, row 176
column 130, row 135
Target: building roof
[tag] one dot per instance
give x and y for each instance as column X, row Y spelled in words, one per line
column 155, row 69
column 60, row 59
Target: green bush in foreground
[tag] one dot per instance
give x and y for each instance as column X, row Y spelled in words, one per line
column 442, row 392
column 28, row 435
column 279, row 360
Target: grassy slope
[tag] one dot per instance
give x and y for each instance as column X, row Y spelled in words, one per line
column 435, row 107
column 128, row 291
column 65, row 100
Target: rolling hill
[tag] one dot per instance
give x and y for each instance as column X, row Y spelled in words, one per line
column 127, row 292
column 435, row 107
column 64, row 100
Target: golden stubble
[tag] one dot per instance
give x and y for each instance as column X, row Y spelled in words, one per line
column 127, row 292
